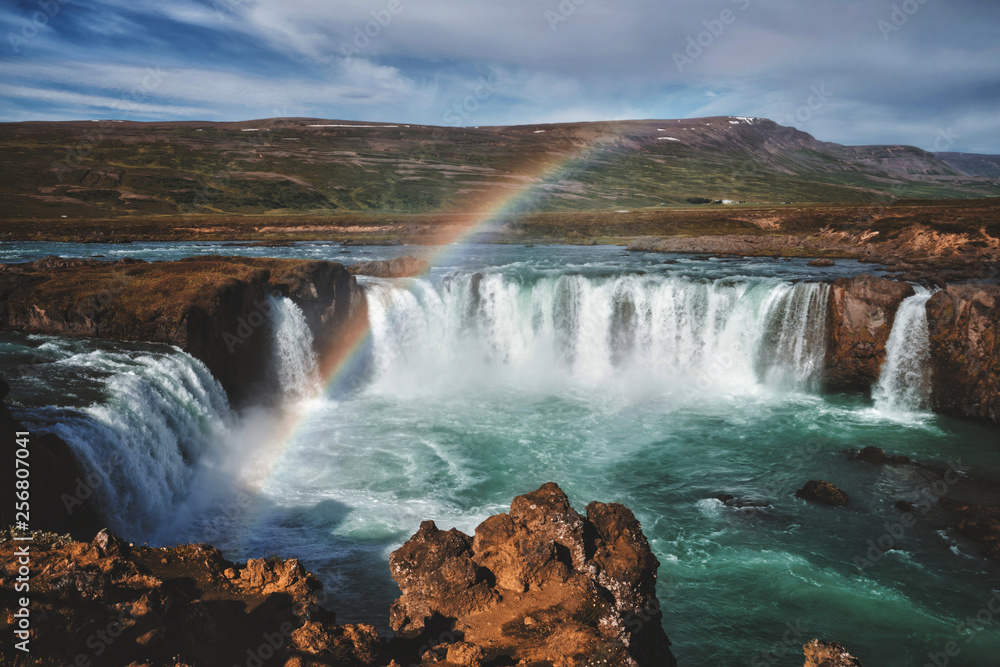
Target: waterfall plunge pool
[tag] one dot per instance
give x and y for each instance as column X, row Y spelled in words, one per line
column 619, row 376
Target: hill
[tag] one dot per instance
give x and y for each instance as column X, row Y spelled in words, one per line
column 295, row 165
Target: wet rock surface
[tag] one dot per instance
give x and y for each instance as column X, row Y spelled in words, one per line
column 822, row 492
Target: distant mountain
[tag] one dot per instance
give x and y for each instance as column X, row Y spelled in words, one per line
column 973, row 164
column 282, row 165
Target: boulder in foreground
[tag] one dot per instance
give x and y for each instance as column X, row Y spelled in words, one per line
column 541, row 584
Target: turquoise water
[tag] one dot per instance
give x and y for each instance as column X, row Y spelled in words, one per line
column 623, row 379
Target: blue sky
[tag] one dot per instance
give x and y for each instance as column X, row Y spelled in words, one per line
column 921, row 72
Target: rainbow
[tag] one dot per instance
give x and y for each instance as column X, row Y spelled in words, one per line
column 477, row 214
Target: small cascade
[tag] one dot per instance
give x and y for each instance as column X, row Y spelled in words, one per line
column 905, row 380
column 730, row 334
column 294, row 356
column 160, row 413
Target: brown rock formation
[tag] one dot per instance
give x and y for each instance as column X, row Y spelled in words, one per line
column 822, row 492
column 828, row 654
column 400, row 267
column 964, row 325
column 862, row 310
column 109, row 603
column 541, row 584
column 214, row 308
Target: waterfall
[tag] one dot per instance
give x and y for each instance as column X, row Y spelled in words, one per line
column 294, row 357
column 160, row 412
column 904, row 383
column 731, row 334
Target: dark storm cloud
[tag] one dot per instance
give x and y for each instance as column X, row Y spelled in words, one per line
column 907, row 71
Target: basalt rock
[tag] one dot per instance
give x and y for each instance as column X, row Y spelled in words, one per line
column 106, row 602
column 214, row 308
column 964, row 326
column 542, row 584
column 822, row 492
column 861, row 312
column 828, row 654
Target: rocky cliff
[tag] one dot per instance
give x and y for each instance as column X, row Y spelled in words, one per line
column 964, row 325
column 541, row 584
column 861, row 312
column 214, row 308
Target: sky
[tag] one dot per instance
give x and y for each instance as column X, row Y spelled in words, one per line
column 918, row 72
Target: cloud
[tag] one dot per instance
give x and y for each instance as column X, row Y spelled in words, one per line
column 413, row 60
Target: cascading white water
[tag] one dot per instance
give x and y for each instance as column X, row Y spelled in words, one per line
column 161, row 413
column 732, row 334
column 295, row 359
column 904, row 383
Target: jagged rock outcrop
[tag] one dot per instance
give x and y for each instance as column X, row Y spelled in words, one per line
column 215, row 308
column 964, row 326
column 861, row 312
column 542, row 584
column 60, row 495
column 828, row 654
column 400, row 267
column 117, row 604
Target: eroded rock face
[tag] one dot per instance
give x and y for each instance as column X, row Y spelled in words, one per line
column 828, row 654
column 964, row 325
column 540, row 583
column 861, row 312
